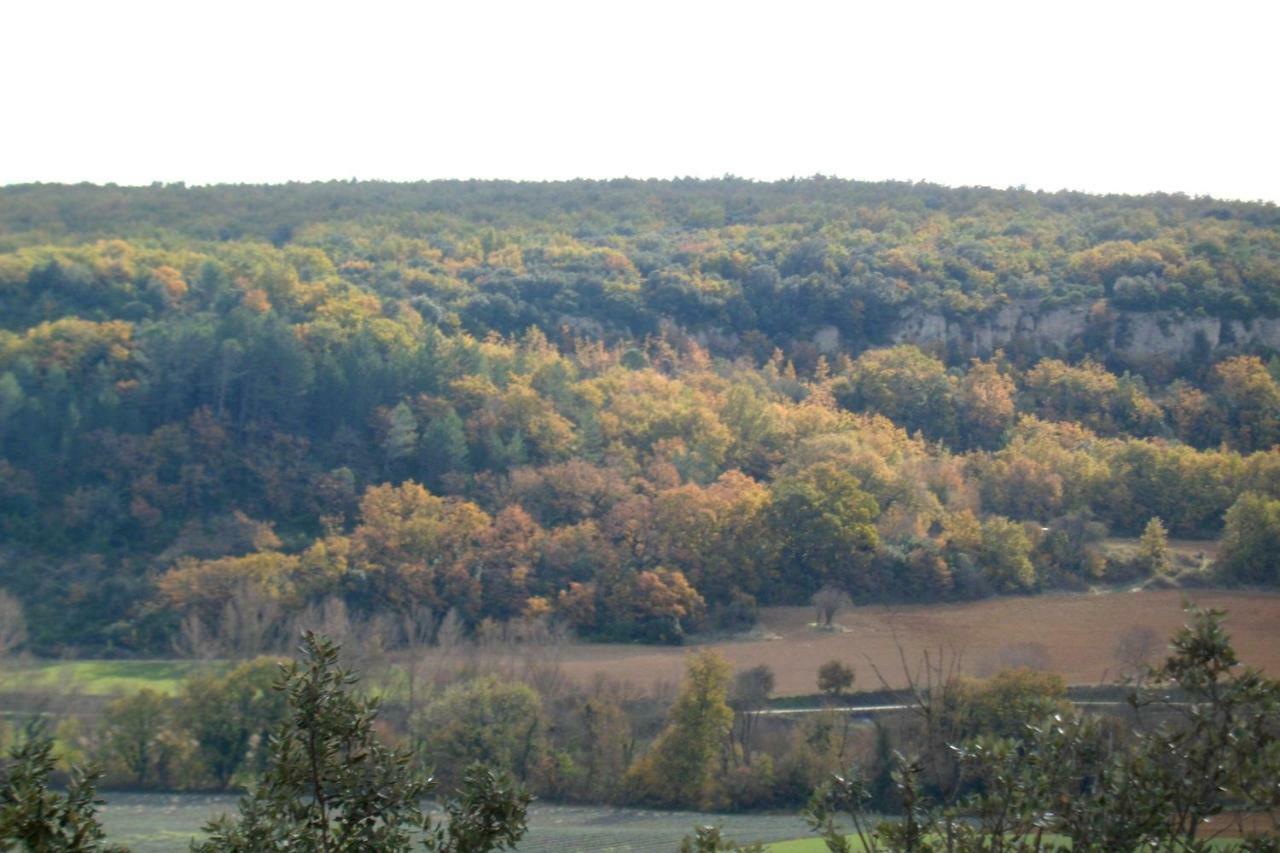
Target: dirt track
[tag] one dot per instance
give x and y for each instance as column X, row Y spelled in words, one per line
column 1074, row 635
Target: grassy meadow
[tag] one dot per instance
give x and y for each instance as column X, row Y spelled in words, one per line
column 100, row 677
column 151, row 823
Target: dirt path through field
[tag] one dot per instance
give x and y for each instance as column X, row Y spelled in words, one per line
column 1074, row 635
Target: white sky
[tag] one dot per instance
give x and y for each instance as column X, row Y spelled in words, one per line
column 1120, row 96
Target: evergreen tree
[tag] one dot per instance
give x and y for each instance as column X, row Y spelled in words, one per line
column 1153, row 548
column 332, row 786
column 401, row 439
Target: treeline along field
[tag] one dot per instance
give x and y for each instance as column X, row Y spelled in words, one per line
column 1079, row 637
column 635, row 409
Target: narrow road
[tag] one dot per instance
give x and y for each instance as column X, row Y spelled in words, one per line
column 872, row 710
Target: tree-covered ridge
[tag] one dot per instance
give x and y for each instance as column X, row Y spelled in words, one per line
column 715, row 252
column 616, row 404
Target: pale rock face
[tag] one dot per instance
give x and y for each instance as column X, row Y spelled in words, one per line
column 1162, row 335
column 1056, row 328
column 1048, row 330
column 1261, row 331
column 921, row 329
column 989, row 336
column 1137, row 336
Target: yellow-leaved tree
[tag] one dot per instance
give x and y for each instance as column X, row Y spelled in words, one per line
column 678, row 769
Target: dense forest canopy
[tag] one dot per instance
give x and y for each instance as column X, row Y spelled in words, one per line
column 637, row 406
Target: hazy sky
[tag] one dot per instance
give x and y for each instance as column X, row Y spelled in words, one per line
column 1117, row 96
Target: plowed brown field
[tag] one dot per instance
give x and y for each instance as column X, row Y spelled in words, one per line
column 1073, row 635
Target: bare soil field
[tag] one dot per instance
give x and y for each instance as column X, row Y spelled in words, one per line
column 1073, row 635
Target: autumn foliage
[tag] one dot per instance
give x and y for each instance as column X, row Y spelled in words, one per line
column 638, row 408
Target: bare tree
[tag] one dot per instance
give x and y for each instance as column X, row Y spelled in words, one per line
column 451, row 648
column 195, row 640
column 417, row 626
column 1135, row 648
column 365, row 643
column 451, row 632
column 435, row 650
column 13, row 625
column 932, row 689
column 328, row 617
column 529, row 650
column 251, row 621
column 372, row 640
column 542, row 653
column 748, row 696
column 829, row 601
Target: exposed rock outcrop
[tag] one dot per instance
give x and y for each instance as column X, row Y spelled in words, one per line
column 1135, row 336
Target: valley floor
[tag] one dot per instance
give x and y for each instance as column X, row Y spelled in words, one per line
column 151, row 823
column 1074, row 635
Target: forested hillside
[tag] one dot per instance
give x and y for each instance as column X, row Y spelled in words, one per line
column 640, row 407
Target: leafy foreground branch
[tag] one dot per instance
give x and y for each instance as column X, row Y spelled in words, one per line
column 34, row 818
column 1074, row 782
column 330, row 786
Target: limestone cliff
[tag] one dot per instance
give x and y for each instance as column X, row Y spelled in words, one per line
column 1135, row 336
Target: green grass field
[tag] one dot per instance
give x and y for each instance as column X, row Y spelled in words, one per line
column 122, row 677
column 807, row 845
column 816, row 845
column 150, row 823
column 101, row 677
